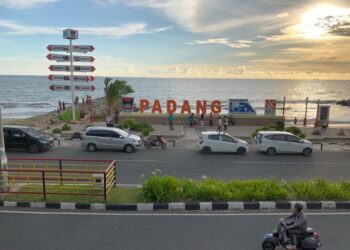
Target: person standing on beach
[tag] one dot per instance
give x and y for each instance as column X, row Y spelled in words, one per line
column 190, row 120
column 171, row 121
column 220, row 124
column 295, row 121
column 82, row 117
column 325, row 124
column 76, row 100
column 225, row 123
column 211, row 119
column 202, row 120
column 63, row 106
column 60, row 105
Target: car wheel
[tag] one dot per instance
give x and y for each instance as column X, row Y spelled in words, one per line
column 307, row 152
column 129, row 149
column 241, row 151
column 34, row 148
column 91, row 147
column 268, row 246
column 271, row 151
column 206, row 150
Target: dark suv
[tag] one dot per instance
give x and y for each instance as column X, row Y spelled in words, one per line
column 21, row 137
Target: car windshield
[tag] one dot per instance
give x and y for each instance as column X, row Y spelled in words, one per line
column 123, row 133
column 32, row 132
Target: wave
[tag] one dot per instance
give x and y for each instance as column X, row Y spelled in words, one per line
column 26, row 105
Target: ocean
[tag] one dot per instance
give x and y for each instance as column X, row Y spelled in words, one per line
column 26, row 96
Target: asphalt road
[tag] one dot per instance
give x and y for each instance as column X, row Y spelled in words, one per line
column 134, row 168
column 155, row 231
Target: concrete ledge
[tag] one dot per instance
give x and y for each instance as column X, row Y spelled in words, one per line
column 185, row 206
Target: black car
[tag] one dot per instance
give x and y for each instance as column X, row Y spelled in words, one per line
column 21, row 137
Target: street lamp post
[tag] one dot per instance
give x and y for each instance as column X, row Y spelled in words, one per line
column 3, row 157
column 306, row 104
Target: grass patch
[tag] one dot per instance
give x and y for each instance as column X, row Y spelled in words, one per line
column 116, row 195
column 66, row 116
column 171, row 189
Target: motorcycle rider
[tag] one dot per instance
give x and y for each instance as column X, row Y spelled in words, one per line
column 298, row 226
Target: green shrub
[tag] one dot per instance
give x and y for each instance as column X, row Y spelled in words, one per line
column 66, row 127
column 146, row 131
column 56, row 130
column 136, row 126
column 294, row 130
column 128, row 123
column 280, row 126
column 161, row 189
column 66, row 116
column 88, row 126
column 302, row 135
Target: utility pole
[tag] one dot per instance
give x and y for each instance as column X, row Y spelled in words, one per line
column 3, row 157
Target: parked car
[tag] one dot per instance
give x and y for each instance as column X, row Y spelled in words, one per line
column 22, row 137
column 221, row 142
column 273, row 142
column 109, row 138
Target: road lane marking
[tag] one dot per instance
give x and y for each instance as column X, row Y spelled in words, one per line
column 292, row 163
column 137, row 214
column 119, row 160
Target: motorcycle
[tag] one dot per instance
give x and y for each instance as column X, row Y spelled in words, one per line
column 308, row 241
column 156, row 141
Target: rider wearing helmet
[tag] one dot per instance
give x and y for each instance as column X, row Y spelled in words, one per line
column 298, row 225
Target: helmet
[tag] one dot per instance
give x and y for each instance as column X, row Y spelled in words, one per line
column 298, row 206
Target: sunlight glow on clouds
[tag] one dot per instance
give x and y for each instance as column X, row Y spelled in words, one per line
column 24, row 4
column 225, row 41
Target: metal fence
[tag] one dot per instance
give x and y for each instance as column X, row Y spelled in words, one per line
column 56, row 176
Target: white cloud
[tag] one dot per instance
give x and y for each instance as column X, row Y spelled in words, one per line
column 24, row 4
column 284, row 14
column 14, row 28
column 225, row 41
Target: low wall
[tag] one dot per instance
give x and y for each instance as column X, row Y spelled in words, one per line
column 182, row 119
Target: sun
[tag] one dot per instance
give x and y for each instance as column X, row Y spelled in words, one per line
column 316, row 23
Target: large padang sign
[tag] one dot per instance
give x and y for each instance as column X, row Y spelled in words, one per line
column 171, row 106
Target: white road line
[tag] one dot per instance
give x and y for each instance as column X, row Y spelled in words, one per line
column 137, row 214
column 129, row 185
column 119, row 160
column 291, row 163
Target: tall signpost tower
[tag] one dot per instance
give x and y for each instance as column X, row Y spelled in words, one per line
column 71, row 35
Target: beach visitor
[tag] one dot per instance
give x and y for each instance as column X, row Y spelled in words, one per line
column 60, row 105
column 109, row 121
column 225, row 121
column 76, row 100
column 82, row 117
column 116, row 117
column 295, row 121
column 211, row 119
column 171, row 121
column 190, row 120
column 220, row 124
column 63, row 106
column 325, row 124
column 202, row 121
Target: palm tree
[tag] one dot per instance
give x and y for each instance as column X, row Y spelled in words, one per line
column 116, row 90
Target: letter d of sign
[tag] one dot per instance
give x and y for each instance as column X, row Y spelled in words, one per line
column 170, row 106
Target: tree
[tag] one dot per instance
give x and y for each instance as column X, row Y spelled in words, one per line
column 115, row 90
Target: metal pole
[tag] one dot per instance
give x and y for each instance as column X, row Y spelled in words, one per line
column 284, row 105
column 3, row 157
column 318, row 107
column 72, row 87
column 305, row 117
column 44, row 184
column 104, row 186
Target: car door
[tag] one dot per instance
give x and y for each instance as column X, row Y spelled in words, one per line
column 294, row 146
column 19, row 139
column 228, row 144
column 8, row 137
column 214, row 142
column 280, row 142
column 102, row 138
column 116, row 140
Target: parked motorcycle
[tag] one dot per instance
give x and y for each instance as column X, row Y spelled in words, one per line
column 155, row 141
column 308, row 241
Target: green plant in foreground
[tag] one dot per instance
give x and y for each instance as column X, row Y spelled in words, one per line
column 56, row 130
column 294, row 130
column 66, row 127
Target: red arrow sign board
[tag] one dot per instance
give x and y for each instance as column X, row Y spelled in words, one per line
column 75, row 68
column 77, row 87
column 75, row 48
column 65, row 58
column 67, row 78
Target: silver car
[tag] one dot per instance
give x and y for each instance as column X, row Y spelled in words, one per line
column 109, row 138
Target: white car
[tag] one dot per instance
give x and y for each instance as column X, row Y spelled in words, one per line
column 273, row 142
column 221, row 142
column 109, row 138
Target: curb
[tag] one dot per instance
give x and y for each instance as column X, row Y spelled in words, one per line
column 183, row 206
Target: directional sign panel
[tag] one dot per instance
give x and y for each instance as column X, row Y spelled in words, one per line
column 67, row 68
column 67, row 78
column 240, row 106
column 77, row 87
column 74, row 48
column 65, row 58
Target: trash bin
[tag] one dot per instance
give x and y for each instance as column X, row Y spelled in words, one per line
column 97, row 180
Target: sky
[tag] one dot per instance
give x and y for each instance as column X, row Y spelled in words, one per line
column 263, row 39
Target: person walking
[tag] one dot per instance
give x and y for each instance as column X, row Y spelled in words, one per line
column 82, row 117
column 220, row 124
column 191, row 120
column 63, row 106
column 225, row 121
column 171, row 121
column 325, row 124
column 295, row 121
column 202, row 121
column 211, row 119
